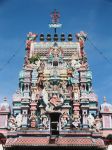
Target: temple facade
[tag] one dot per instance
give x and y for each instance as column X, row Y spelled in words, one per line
column 55, row 105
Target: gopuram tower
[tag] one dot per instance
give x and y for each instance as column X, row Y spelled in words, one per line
column 55, row 105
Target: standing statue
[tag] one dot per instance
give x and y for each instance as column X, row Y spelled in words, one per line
column 76, row 120
column 47, row 85
column 40, row 80
column 12, row 123
column 64, row 86
column 76, row 92
column 90, row 121
column 75, row 76
column 24, row 120
column 56, row 101
column 85, row 119
column 33, row 120
column 34, row 93
column 31, row 37
column 45, row 121
column 98, row 124
column 37, row 63
column 64, row 120
column 81, row 37
column 42, row 66
column 19, row 120
column 45, row 96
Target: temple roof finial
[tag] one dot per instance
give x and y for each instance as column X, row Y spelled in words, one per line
column 55, row 15
column 5, row 99
column 104, row 99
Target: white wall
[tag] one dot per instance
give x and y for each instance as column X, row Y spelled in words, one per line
column 1, row 148
column 109, row 147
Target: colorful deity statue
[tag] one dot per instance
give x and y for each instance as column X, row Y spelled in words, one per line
column 81, row 37
column 33, row 120
column 45, row 96
column 50, row 60
column 76, row 92
column 28, row 42
column 34, row 94
column 84, row 66
column 45, row 121
column 40, row 78
column 64, row 120
column 19, row 118
column 31, row 37
column 34, row 77
column 12, row 123
column 47, row 85
column 75, row 78
column 90, row 120
column 55, row 55
column 56, row 101
column 24, row 119
column 64, row 86
column 98, row 124
column 76, row 120
column 75, row 63
column 42, row 66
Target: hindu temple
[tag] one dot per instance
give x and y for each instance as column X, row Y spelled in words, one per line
column 55, row 105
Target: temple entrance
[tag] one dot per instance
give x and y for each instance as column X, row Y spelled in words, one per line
column 54, row 123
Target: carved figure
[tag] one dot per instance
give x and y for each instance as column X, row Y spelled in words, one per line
column 37, row 63
column 34, row 94
column 76, row 93
column 64, row 120
column 55, row 101
column 81, row 36
column 98, row 124
column 24, row 120
column 64, row 86
column 73, row 62
column 19, row 120
column 31, row 36
column 33, row 119
column 90, row 121
column 47, row 85
column 42, row 66
column 45, row 122
column 85, row 119
column 76, row 120
column 40, row 79
column 84, row 65
column 75, row 77
column 45, row 96
column 12, row 123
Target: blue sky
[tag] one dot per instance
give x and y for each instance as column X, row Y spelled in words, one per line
column 18, row 17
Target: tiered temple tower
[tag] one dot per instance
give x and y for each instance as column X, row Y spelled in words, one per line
column 55, row 105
